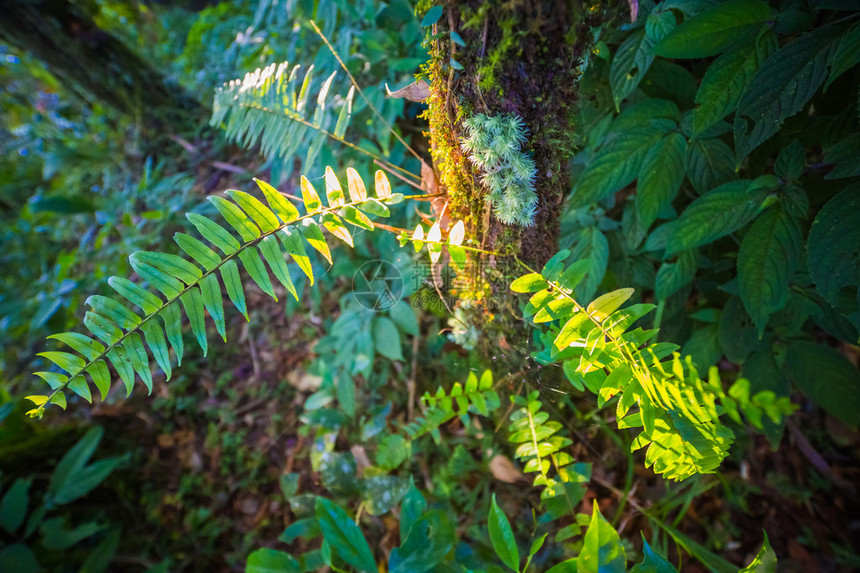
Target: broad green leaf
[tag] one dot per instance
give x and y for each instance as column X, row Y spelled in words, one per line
column 782, row 86
column 314, row 236
column 791, row 161
column 428, row 541
column 68, row 362
column 723, row 26
column 710, row 163
column 573, row 275
column 382, row 493
column 660, row 177
column 672, row 277
column 157, row 344
column 233, row 285
column 532, row 282
column 769, row 254
column 236, row 218
column 257, row 270
column 57, row 537
column 617, row 164
column 100, row 558
column 652, row 562
column 138, row 358
column 345, row 114
column 834, row 260
column 165, row 283
column 262, row 215
column 432, row 16
column 502, row 537
column 100, row 374
column 374, row 207
column 845, row 157
column 411, row 509
column 846, row 55
column 267, row 560
column 292, row 241
column 172, row 318
column 136, row 294
column 214, row 233
column 309, row 196
column 13, row 506
column 404, row 316
column 118, row 356
column 555, row 265
column 172, row 265
column 104, row 329
column 114, row 311
column 719, row 212
column 727, row 78
column 80, row 343
column 591, row 244
column 630, row 64
column 606, row 304
column 192, row 301
column 601, row 550
column 282, row 207
column 197, row 251
column 355, row 217
column 386, row 338
column 827, row 378
column 659, row 23
column 765, row 560
column 343, row 535
column 74, row 460
column 79, row 386
column 271, row 250
column 19, row 558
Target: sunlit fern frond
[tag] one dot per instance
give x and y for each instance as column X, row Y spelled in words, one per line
column 540, row 446
column 477, row 395
column 678, row 413
column 274, row 106
column 190, row 283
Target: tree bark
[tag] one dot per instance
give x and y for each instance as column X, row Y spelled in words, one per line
column 94, row 63
column 520, row 57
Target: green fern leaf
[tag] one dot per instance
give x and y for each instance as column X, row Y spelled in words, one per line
column 196, row 289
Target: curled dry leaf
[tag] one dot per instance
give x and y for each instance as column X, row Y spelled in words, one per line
column 504, row 469
column 416, row 91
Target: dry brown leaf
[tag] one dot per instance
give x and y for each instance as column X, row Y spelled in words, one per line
column 416, row 91
column 504, row 469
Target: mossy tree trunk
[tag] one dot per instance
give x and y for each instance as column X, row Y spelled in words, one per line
column 94, row 63
column 520, row 57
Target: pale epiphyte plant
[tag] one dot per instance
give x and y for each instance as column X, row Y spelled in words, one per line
column 495, row 146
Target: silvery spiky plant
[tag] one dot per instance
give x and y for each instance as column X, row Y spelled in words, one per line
column 495, row 144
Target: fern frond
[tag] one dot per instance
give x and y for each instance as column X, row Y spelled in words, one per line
column 477, row 395
column 676, row 410
column 540, row 448
column 273, row 106
column 190, row 283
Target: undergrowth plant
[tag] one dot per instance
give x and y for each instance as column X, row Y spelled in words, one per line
column 722, row 207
